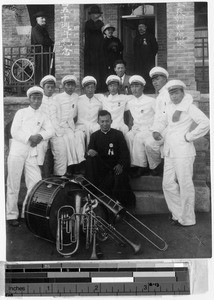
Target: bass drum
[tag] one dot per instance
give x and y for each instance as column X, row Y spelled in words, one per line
column 44, row 201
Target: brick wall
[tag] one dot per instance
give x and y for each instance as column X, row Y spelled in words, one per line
column 110, row 15
column 162, row 35
column 180, row 42
column 13, row 16
column 69, row 41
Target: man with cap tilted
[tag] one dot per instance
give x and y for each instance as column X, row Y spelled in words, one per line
column 71, row 141
column 93, row 50
column 179, row 152
column 40, row 36
column 142, row 109
column 87, row 107
column 29, row 129
column 112, row 48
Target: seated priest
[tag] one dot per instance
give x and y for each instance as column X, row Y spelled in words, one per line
column 108, row 161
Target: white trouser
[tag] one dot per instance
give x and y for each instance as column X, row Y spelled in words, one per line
column 143, row 148
column 179, row 190
column 75, row 145
column 32, row 176
column 42, row 148
column 88, row 129
column 153, row 151
column 59, row 150
column 120, row 126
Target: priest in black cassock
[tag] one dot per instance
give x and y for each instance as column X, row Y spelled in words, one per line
column 43, row 47
column 108, row 161
column 93, row 50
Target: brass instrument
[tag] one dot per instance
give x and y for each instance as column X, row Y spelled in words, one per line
column 121, row 213
column 59, row 208
column 69, row 221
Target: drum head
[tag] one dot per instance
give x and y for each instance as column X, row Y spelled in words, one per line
column 44, row 201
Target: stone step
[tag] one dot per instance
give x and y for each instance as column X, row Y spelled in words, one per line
column 150, row 202
column 154, row 183
column 146, row 183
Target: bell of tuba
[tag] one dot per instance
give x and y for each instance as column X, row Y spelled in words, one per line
column 68, row 228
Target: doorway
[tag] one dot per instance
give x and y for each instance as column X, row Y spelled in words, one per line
column 128, row 33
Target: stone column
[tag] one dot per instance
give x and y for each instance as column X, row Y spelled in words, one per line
column 69, row 20
column 181, row 42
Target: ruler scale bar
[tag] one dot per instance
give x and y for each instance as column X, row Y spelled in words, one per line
column 65, row 279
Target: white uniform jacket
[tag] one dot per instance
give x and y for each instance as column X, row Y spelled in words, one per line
column 175, row 144
column 116, row 105
column 27, row 122
column 142, row 110
column 87, row 109
column 63, row 111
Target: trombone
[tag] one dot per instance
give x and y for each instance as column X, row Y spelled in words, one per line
column 122, row 214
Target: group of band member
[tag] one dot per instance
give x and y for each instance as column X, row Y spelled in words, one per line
column 155, row 128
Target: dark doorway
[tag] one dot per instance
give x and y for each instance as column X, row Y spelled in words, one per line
column 129, row 30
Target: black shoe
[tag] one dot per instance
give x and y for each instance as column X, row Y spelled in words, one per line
column 174, row 222
column 14, row 223
column 158, row 171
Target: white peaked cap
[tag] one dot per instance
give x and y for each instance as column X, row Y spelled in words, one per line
column 34, row 90
column 175, row 84
column 137, row 78
column 158, row 71
column 46, row 79
column 69, row 78
column 88, row 79
column 112, row 78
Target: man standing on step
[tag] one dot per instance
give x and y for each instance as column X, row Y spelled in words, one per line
column 159, row 78
column 179, row 152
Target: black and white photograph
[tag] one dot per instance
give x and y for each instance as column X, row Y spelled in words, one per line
column 106, row 131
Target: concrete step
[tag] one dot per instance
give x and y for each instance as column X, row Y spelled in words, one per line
column 146, row 183
column 150, row 202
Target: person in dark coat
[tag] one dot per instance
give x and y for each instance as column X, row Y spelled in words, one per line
column 108, row 161
column 112, row 48
column 145, row 50
column 93, row 51
column 40, row 36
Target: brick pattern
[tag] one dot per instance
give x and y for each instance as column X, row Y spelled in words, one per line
column 69, row 43
column 180, row 42
column 13, row 16
column 161, row 35
column 111, row 15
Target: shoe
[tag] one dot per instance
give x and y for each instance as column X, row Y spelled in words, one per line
column 14, row 223
column 174, row 222
column 158, row 171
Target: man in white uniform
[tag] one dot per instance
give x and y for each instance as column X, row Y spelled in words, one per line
column 71, row 142
column 142, row 109
column 159, row 78
column 88, row 107
column 179, row 152
column 29, row 128
column 116, row 104
column 48, row 83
